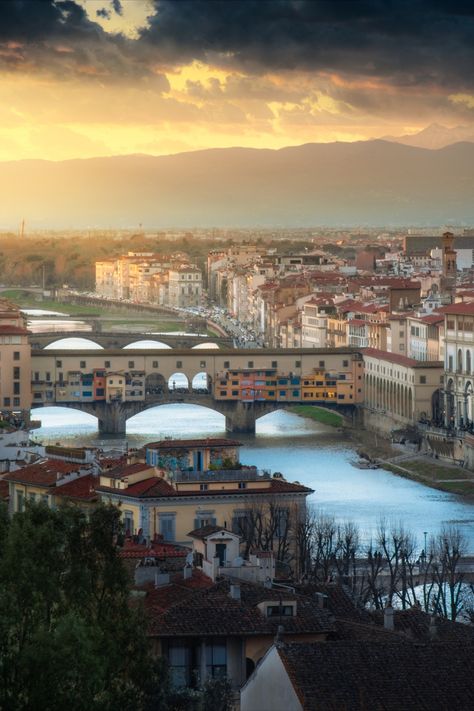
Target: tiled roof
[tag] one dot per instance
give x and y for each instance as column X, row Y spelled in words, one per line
column 340, row 601
column 44, row 473
column 155, row 550
column 206, row 531
column 156, row 487
column 213, row 612
column 460, row 308
column 188, row 443
column 358, row 676
column 416, row 624
column 124, row 470
column 82, row 488
column 400, row 359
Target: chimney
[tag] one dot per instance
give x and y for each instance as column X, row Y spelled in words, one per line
column 161, row 579
column 322, row 600
column 279, row 634
column 235, row 592
column 187, row 572
column 433, row 628
column 388, row 617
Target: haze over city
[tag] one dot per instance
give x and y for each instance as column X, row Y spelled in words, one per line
column 95, row 78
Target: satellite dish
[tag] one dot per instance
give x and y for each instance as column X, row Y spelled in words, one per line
column 237, row 562
column 189, row 559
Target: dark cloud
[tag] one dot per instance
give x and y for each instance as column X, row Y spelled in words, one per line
column 409, row 41
column 117, row 7
column 103, row 12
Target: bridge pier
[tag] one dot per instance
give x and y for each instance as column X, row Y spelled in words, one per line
column 113, row 420
column 242, row 418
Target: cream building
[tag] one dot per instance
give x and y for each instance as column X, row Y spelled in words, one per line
column 459, row 364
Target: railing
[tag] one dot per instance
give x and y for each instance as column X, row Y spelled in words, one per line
column 247, row 474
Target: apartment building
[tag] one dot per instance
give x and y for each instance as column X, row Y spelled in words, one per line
column 184, row 286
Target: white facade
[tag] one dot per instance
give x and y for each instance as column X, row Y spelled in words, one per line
column 269, row 688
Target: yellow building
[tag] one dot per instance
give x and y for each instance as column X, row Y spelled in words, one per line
column 15, row 371
column 173, row 501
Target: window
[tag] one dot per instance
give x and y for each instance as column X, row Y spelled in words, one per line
column 282, row 393
column 321, row 363
column 59, row 364
column 345, row 363
column 48, row 377
column 20, row 501
column 250, row 364
column 227, row 364
column 16, row 402
column 422, row 379
column 82, row 364
column 16, row 355
column 235, row 393
column 131, row 363
column 202, row 364
column 16, row 388
column 167, row 526
column 297, row 364
column 242, row 484
column 37, row 376
column 16, row 373
column 179, row 363
column 154, row 364
column 203, row 487
column 280, row 611
column 216, row 659
column 128, row 523
column 6, row 402
column 274, row 364
column 106, row 363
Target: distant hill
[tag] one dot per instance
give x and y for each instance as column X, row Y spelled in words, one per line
column 366, row 183
column 435, row 136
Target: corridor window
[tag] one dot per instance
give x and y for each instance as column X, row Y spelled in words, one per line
column 422, row 379
column 154, row 364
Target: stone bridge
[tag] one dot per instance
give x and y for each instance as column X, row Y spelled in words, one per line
column 162, row 367
column 239, row 416
column 114, row 340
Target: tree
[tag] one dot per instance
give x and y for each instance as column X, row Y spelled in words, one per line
column 69, row 637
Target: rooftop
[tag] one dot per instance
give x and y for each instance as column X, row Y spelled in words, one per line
column 42, row 473
column 400, row 359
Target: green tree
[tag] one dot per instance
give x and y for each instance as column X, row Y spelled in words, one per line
column 69, row 636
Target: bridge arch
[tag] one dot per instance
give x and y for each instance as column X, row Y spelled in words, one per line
column 178, row 382
column 150, row 343
column 202, row 381
column 75, row 343
column 210, row 345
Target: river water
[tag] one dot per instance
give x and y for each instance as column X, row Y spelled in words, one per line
column 302, row 450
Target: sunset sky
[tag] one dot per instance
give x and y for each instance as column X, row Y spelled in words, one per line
column 105, row 77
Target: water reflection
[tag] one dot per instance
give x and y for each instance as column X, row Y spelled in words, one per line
column 301, row 449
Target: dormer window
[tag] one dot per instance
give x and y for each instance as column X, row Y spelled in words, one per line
column 280, row 611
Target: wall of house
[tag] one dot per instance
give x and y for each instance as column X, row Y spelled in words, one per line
column 269, row 687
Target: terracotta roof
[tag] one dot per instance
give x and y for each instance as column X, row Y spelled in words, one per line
column 400, row 359
column 356, row 676
column 44, row 473
column 82, row 488
column 188, row 443
column 432, row 319
column 206, row 531
column 213, row 612
column 157, row 487
column 13, row 330
column 124, row 470
column 159, row 549
column 460, row 308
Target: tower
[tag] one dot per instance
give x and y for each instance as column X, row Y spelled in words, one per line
column 449, row 269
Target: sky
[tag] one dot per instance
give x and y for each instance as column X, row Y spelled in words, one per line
column 90, row 78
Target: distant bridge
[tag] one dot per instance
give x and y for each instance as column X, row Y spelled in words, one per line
column 113, row 340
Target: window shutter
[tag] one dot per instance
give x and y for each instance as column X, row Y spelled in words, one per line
column 213, row 521
column 197, row 523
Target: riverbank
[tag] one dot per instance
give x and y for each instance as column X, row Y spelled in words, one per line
column 318, row 414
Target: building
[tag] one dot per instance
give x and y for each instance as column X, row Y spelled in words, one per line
column 184, row 287
column 390, row 674
column 180, row 486
column 459, row 364
column 15, row 371
column 400, row 390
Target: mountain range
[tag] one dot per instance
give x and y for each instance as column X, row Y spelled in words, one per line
column 363, row 183
column 435, row 136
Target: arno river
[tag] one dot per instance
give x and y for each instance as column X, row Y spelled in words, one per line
column 299, row 448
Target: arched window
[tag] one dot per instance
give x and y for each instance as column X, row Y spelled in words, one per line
column 468, row 362
column 460, row 361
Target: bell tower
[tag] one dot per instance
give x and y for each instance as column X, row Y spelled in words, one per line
column 448, row 279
